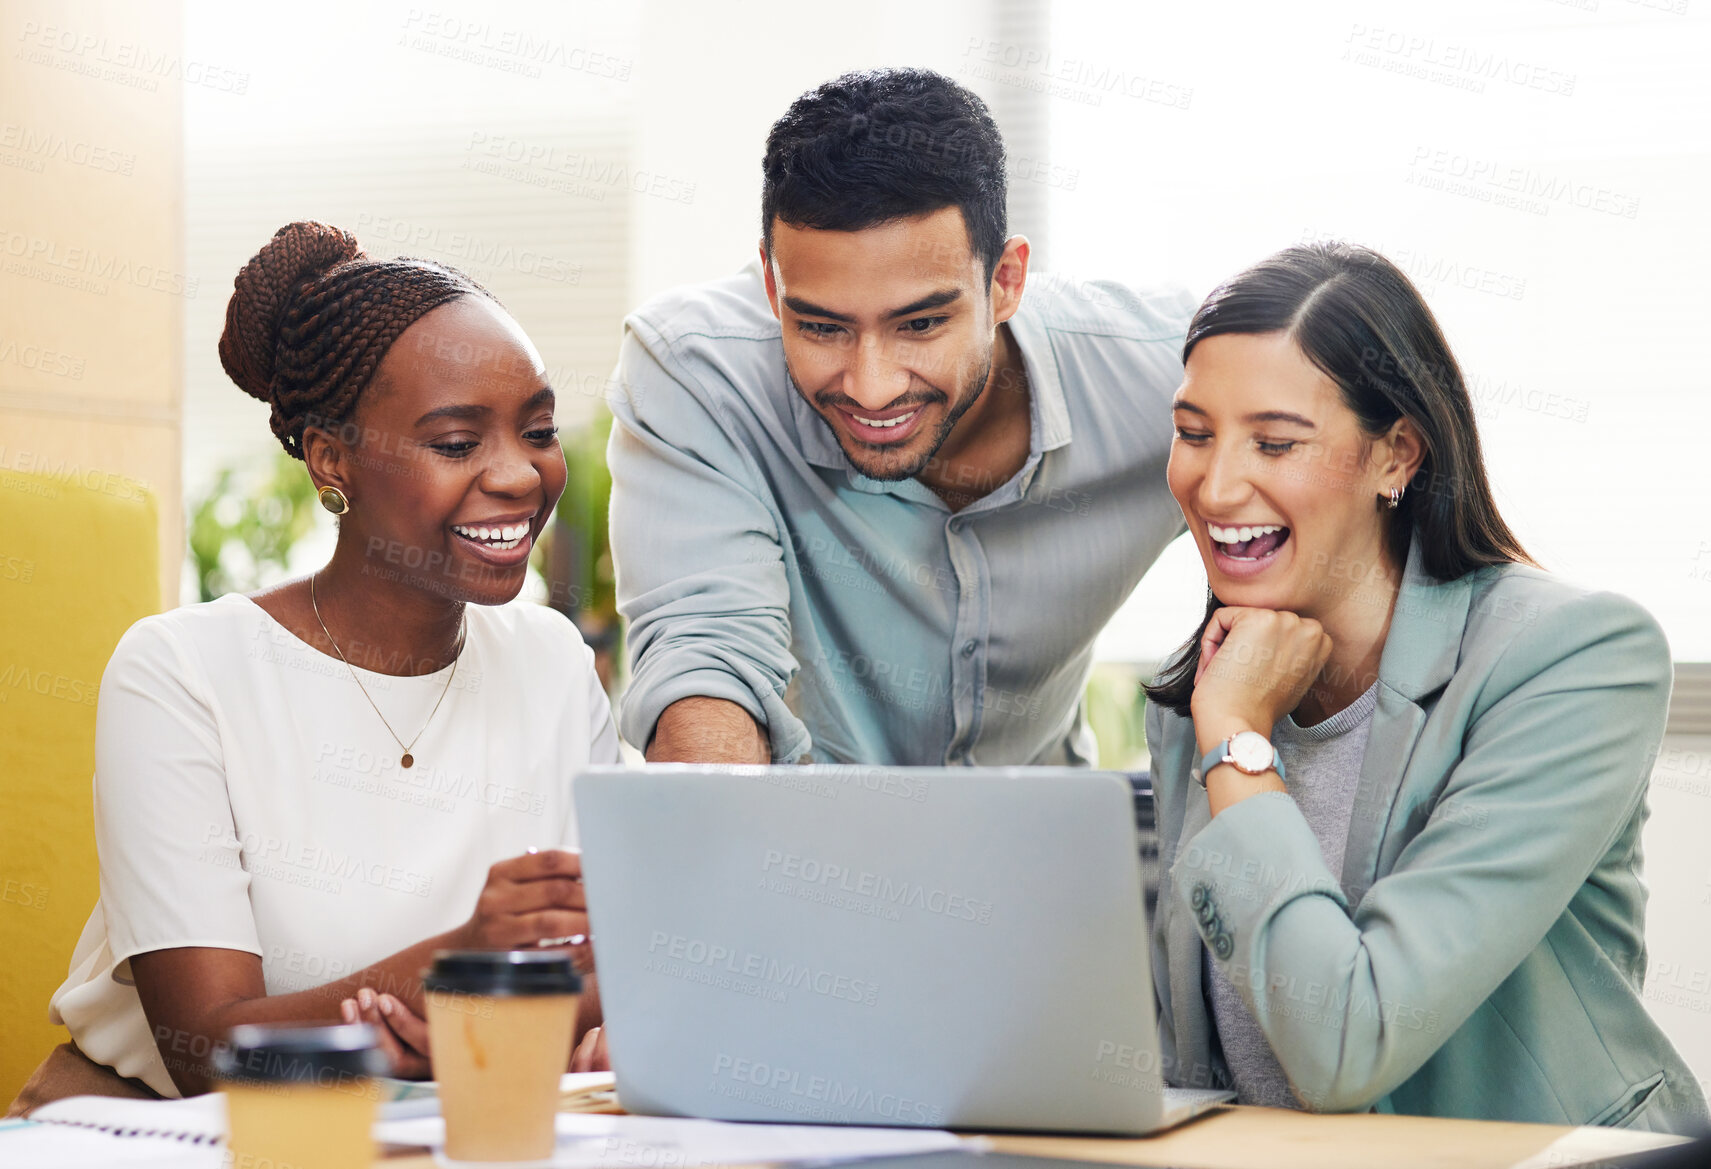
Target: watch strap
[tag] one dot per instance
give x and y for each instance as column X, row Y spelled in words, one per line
column 1220, row 755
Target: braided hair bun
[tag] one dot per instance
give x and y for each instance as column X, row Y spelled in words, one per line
column 312, row 315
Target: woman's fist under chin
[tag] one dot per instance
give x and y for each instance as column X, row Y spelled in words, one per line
column 1255, row 667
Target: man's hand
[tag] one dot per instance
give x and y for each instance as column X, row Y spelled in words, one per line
column 708, row 730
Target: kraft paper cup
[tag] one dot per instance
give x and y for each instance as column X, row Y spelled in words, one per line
column 300, row 1096
column 500, row 1023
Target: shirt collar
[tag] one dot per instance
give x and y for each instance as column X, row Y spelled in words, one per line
column 1051, row 428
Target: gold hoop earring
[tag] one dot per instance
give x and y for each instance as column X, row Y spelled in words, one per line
column 334, row 500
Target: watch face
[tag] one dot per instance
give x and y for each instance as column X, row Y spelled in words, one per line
column 1251, row 752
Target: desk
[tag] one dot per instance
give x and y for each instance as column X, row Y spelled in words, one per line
column 1275, row 1138
column 1248, row 1138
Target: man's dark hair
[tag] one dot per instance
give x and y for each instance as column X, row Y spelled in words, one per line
column 870, row 147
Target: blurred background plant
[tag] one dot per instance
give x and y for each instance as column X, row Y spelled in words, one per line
column 574, row 557
column 242, row 531
column 1116, row 710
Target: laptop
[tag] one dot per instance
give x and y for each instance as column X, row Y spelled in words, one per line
column 941, row 947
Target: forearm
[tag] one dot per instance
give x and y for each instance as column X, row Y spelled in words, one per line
column 191, row 1009
column 708, row 730
column 398, row 975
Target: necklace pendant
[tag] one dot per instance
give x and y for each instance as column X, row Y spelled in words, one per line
column 409, row 760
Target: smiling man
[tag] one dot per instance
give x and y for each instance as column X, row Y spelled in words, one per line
column 869, row 500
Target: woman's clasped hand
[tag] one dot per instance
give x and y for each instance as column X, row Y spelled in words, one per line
column 529, row 900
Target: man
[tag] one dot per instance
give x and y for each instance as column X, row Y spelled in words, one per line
column 866, row 499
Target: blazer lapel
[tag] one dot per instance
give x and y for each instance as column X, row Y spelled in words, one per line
column 1420, row 654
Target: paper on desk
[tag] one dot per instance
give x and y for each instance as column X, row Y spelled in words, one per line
column 661, row 1142
column 404, row 1099
column 1584, row 1145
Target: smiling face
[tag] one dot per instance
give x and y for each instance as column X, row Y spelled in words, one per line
column 451, row 460
column 1277, row 480
column 888, row 333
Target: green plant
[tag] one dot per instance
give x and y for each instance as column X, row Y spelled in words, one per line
column 576, row 558
column 242, row 530
column 1116, row 709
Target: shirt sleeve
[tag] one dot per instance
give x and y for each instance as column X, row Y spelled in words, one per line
column 169, row 852
column 1551, row 772
column 700, row 569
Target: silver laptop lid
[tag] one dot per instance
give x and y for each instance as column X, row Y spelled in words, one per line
column 860, row 945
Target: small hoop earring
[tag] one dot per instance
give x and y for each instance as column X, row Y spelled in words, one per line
column 334, row 500
column 1395, row 500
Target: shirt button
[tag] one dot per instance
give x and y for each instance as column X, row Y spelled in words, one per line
column 968, row 648
column 956, row 525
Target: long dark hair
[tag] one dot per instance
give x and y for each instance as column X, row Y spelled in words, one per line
column 1359, row 319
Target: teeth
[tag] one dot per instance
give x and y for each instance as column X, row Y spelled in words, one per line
column 502, row 538
column 887, row 424
column 1239, row 535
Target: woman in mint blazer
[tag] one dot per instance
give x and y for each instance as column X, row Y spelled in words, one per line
column 1473, row 740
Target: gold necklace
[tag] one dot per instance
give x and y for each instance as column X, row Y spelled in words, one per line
column 408, row 759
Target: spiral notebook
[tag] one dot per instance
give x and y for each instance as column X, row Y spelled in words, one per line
column 103, row 1131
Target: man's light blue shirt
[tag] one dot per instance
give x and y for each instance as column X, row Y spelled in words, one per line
column 866, row 621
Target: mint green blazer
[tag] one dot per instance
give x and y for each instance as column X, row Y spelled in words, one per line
column 1482, row 952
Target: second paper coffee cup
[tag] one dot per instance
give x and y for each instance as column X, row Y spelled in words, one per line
column 300, row 1095
column 500, row 1023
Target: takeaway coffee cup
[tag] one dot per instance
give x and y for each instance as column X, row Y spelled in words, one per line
column 500, row 1023
column 300, row 1095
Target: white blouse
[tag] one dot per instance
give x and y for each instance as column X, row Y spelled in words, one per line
column 248, row 797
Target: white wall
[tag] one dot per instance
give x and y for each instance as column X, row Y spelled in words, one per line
column 1568, row 268
column 711, row 80
column 1678, row 922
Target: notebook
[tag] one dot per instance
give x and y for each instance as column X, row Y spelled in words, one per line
column 98, row 1132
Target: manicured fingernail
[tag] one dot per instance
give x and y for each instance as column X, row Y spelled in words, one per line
column 533, row 850
column 385, row 1004
column 348, row 1010
column 365, row 997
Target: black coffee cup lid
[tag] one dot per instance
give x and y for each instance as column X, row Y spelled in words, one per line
column 502, row 972
column 258, row 1053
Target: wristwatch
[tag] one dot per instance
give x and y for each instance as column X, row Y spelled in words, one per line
column 1247, row 751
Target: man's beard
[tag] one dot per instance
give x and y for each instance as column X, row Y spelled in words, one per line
column 862, row 457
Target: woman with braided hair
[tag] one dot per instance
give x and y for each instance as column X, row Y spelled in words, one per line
column 301, row 794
